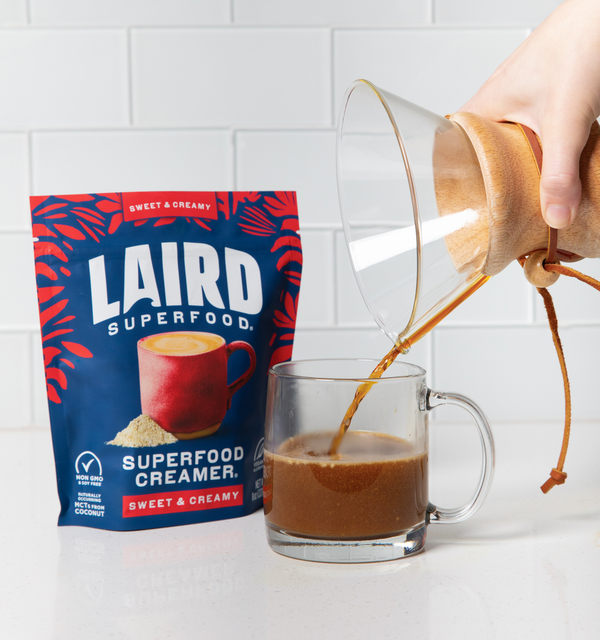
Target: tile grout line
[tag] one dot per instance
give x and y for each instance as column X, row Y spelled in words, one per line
column 381, row 26
column 331, row 77
column 336, row 297
column 326, row 128
column 31, row 378
column 360, row 326
column 532, row 310
column 430, row 356
column 431, row 359
column 233, row 148
column 129, row 68
column 30, row 162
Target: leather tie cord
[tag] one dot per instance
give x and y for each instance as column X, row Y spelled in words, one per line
column 557, row 475
column 551, row 264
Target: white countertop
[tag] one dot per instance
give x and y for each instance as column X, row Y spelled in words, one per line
column 526, row 566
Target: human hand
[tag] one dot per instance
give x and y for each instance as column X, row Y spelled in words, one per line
column 551, row 84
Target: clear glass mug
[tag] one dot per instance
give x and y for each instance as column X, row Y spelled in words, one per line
column 369, row 502
column 414, row 209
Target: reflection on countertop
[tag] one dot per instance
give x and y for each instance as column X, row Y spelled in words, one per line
column 526, row 566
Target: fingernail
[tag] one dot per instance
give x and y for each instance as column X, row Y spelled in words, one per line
column 557, row 215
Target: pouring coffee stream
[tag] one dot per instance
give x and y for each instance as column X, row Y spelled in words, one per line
column 401, row 347
column 472, row 187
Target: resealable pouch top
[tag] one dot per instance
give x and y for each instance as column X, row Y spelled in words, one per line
column 161, row 313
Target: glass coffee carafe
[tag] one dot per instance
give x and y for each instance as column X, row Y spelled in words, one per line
column 414, row 210
column 432, row 206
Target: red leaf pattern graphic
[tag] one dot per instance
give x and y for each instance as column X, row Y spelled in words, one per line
column 69, row 231
column 281, row 354
column 50, row 312
column 284, row 209
column 162, row 221
column 53, row 394
column 48, row 248
column 50, row 207
column 290, row 224
column 89, row 214
column 291, row 306
column 223, row 201
column 287, row 257
column 257, row 223
column 286, row 241
column 45, row 293
column 109, row 206
column 42, row 230
column 91, row 233
column 80, row 197
column 49, row 353
column 115, row 222
column 60, row 332
column 287, row 319
column 201, row 224
column 42, row 269
column 78, row 349
column 284, row 204
column 52, row 373
column 293, row 277
column 65, row 221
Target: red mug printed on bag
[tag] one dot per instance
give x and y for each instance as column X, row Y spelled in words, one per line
column 183, row 380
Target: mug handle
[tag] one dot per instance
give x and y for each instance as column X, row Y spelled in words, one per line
column 241, row 381
column 458, row 514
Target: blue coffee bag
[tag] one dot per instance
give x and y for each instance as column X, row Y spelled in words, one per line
column 161, row 313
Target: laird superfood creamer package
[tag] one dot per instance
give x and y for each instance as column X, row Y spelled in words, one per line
column 161, row 313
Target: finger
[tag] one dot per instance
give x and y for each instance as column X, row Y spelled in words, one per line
column 560, row 186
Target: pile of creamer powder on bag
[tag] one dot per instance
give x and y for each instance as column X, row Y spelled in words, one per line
column 161, row 313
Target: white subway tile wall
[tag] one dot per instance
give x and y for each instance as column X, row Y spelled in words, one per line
column 243, row 94
column 438, row 69
column 299, row 160
column 13, row 12
column 318, row 12
column 124, row 13
column 500, row 12
column 63, row 78
column 131, row 160
column 230, row 77
column 14, row 181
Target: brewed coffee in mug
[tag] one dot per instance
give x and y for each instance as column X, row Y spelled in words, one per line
column 368, row 501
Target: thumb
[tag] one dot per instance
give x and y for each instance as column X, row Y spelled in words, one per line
column 560, row 185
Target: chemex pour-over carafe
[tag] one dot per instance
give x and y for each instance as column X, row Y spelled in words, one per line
column 432, row 206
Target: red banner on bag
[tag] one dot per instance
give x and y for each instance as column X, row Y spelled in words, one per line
column 152, row 504
column 169, row 204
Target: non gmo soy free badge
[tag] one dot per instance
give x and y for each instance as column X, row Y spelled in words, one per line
column 161, row 313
